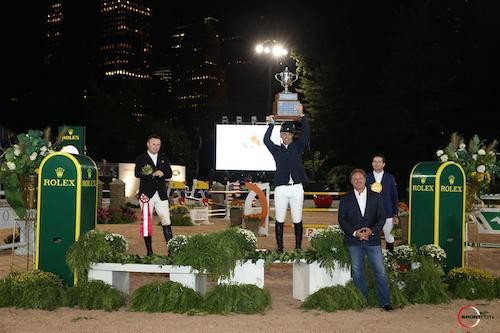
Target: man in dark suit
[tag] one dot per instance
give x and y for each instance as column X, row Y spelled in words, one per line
column 153, row 169
column 384, row 183
column 361, row 217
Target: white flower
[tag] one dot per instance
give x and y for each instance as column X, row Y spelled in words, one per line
column 474, row 157
column 462, row 146
column 439, row 152
column 491, row 152
column 481, row 152
column 50, row 144
column 481, row 168
column 249, row 236
column 335, row 228
column 444, row 158
column 33, row 156
column 17, row 151
column 43, row 149
column 11, row 166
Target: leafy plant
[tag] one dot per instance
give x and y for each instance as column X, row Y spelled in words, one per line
column 471, row 283
column 497, row 287
column 95, row 295
column 165, row 297
column 404, row 254
column 91, row 247
column 246, row 298
column 329, row 247
column 432, row 251
column 338, row 177
column 335, row 298
column 215, row 253
column 32, row 290
column 179, row 216
column 21, row 161
column 425, row 284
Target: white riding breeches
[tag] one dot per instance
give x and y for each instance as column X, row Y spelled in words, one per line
column 289, row 194
column 388, row 225
column 161, row 207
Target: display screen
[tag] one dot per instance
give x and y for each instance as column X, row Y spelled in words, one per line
column 241, row 147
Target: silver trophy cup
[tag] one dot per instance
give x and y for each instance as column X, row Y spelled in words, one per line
column 286, row 78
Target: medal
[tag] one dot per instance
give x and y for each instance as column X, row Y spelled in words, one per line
column 376, row 187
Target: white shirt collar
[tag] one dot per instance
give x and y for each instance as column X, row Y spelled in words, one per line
column 378, row 176
column 154, row 157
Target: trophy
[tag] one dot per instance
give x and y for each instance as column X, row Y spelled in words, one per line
column 286, row 104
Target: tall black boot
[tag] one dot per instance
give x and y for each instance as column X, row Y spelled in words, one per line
column 298, row 235
column 279, row 235
column 390, row 247
column 167, row 232
column 149, row 246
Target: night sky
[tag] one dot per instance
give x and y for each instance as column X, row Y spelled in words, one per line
column 398, row 75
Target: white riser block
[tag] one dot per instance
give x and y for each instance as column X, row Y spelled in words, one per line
column 198, row 282
column 119, row 280
column 309, row 278
column 247, row 272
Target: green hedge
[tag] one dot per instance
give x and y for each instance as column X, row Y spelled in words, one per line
column 246, row 298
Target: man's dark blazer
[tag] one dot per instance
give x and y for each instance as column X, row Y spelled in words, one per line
column 350, row 218
column 389, row 192
column 149, row 184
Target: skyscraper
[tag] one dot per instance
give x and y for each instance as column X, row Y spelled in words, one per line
column 125, row 44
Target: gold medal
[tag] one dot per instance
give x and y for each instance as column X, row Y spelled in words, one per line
column 376, row 187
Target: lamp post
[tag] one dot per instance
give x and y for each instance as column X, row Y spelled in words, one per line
column 271, row 49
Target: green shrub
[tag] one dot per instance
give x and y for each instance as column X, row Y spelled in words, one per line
column 474, row 289
column 497, row 287
column 424, row 285
column 91, row 247
column 95, row 295
column 165, row 297
column 246, row 298
column 329, row 247
column 181, row 220
column 336, row 298
column 471, row 283
column 32, row 290
column 215, row 253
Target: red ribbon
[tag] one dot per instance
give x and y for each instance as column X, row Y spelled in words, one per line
column 146, row 223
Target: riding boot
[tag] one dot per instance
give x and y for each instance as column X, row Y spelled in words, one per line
column 167, row 232
column 390, row 247
column 279, row 235
column 149, row 246
column 298, row 235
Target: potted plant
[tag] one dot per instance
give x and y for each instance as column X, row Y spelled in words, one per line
column 404, row 255
column 434, row 252
column 252, row 222
column 236, row 212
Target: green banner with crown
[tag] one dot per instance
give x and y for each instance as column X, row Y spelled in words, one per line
column 73, row 137
column 67, row 208
column 437, row 209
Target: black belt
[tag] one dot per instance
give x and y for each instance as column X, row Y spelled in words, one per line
column 293, row 184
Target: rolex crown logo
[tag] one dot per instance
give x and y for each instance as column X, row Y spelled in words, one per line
column 59, row 172
column 89, row 173
column 423, row 179
column 451, row 178
column 70, row 131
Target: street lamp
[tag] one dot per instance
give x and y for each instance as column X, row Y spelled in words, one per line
column 271, row 49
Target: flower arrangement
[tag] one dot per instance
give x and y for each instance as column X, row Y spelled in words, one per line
column 432, row 251
column 115, row 215
column 404, row 254
column 176, row 243
column 236, row 203
column 403, row 209
column 477, row 159
column 20, row 161
column 117, row 241
column 328, row 245
column 249, row 237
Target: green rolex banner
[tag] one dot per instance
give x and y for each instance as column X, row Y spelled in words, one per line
column 73, row 136
column 437, row 209
column 67, row 208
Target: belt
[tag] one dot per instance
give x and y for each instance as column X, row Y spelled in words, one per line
column 293, row 184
